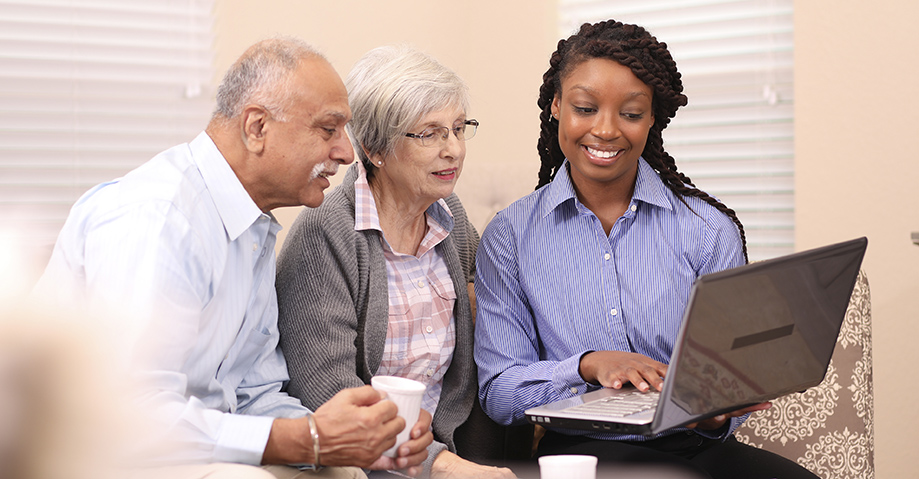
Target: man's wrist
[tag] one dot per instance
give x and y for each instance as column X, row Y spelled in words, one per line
column 314, row 438
column 290, row 443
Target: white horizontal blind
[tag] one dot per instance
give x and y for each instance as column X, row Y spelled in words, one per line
column 90, row 89
column 735, row 139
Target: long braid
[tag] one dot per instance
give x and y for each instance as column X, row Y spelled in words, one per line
column 650, row 61
column 682, row 185
column 550, row 153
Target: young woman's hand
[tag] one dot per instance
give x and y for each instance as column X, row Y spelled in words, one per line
column 718, row 421
column 612, row 369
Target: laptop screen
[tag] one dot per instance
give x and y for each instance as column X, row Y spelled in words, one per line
column 765, row 330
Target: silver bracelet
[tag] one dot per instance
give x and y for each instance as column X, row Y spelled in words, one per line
column 314, row 433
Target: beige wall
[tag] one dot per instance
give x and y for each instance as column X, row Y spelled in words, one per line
column 500, row 50
column 856, row 170
column 855, row 116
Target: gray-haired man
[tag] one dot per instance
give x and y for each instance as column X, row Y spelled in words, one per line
column 184, row 247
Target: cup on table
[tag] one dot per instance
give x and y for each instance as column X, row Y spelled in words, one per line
column 568, row 466
column 407, row 394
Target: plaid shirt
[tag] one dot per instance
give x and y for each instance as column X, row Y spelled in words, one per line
column 420, row 337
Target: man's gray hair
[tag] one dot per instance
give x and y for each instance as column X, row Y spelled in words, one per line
column 390, row 89
column 261, row 76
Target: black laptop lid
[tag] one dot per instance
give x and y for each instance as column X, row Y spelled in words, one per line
column 777, row 324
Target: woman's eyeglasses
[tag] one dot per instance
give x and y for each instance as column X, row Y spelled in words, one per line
column 437, row 135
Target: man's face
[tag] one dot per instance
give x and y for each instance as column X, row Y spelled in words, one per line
column 306, row 147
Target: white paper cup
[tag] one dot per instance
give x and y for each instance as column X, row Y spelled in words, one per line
column 407, row 394
column 568, row 466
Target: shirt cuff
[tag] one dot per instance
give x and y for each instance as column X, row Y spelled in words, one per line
column 567, row 379
column 242, row 439
column 434, row 450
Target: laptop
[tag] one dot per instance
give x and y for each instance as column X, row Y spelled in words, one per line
column 749, row 334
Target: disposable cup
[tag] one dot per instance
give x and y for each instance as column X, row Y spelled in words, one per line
column 568, row 466
column 407, row 394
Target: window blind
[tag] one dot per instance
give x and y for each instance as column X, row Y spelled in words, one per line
column 735, row 138
column 90, row 89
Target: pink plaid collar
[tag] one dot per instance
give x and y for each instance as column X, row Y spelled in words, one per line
column 366, row 216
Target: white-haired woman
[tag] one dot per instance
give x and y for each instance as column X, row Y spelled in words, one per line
column 375, row 281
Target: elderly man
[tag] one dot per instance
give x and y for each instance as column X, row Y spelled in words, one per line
column 184, row 247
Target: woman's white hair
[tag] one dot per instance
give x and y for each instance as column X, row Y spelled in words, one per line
column 390, row 89
column 261, row 76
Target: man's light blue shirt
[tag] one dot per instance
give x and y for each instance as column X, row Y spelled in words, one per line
column 178, row 249
column 552, row 286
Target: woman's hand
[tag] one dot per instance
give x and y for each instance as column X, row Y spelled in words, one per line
column 717, row 422
column 612, row 369
column 413, row 452
column 449, row 465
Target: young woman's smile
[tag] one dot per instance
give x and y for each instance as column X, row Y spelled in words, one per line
column 604, row 113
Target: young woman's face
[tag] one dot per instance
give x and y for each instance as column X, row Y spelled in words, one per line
column 604, row 115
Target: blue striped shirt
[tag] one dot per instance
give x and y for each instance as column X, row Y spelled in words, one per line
column 551, row 285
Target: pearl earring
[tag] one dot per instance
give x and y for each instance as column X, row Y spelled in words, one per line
column 380, row 162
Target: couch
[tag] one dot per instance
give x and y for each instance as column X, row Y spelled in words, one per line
column 829, row 429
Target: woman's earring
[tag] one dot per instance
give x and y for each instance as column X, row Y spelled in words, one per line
column 380, row 163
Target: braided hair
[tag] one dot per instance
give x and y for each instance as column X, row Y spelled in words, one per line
column 650, row 61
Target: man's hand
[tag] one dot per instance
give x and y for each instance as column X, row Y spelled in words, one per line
column 355, row 427
column 414, row 451
column 716, row 422
column 612, row 369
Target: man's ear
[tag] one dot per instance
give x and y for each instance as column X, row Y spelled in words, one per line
column 254, row 126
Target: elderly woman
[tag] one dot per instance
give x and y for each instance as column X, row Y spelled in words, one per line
column 375, row 281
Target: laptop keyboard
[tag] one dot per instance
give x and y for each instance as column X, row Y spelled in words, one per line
column 621, row 405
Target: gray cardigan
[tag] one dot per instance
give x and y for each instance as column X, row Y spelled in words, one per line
column 333, row 308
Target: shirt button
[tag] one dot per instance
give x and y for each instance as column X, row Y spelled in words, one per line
column 634, row 208
column 574, row 390
column 421, row 284
column 429, row 372
column 429, row 328
column 254, row 246
column 607, row 256
column 613, row 312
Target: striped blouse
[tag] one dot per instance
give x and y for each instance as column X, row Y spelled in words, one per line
column 551, row 286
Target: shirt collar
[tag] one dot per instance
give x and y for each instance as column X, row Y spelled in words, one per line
column 367, row 217
column 649, row 188
column 236, row 208
column 558, row 191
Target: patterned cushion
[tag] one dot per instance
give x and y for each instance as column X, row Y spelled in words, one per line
column 829, row 429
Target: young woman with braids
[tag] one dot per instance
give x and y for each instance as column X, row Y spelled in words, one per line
column 582, row 283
